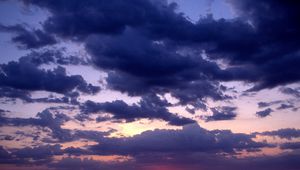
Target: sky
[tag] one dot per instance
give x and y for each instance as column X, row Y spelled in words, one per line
column 149, row 84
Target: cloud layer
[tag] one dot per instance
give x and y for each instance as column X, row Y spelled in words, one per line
column 148, row 49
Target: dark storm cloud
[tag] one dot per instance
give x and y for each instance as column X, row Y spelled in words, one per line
column 245, row 41
column 194, row 93
column 186, row 91
column 28, row 39
column 270, row 49
column 154, row 61
column 222, row 113
column 147, row 48
column 143, row 66
column 78, row 19
column 288, row 133
column 264, row 113
column 191, row 138
column 24, row 75
column 151, row 107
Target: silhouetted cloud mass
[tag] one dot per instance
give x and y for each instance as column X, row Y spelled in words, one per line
column 94, row 69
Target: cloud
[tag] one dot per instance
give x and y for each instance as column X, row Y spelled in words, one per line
column 38, row 153
column 179, row 161
column 273, row 49
column 29, row 156
column 150, row 107
column 290, row 145
column 245, row 41
column 149, row 49
column 222, row 113
column 76, row 164
column 288, row 133
column 290, row 91
column 51, row 118
column 165, row 50
column 57, row 56
column 192, row 138
column 29, row 39
column 158, row 148
column 44, row 119
column 7, row 92
column 68, row 17
column 24, row 75
column 285, row 106
column 144, row 66
column 264, row 113
column 267, row 104
column 10, row 95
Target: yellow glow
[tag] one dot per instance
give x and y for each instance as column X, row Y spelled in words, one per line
column 134, row 128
